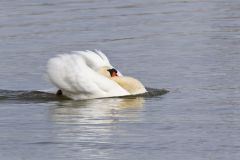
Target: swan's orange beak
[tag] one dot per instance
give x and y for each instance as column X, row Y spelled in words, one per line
column 113, row 72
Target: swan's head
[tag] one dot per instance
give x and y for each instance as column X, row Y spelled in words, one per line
column 108, row 72
column 113, row 72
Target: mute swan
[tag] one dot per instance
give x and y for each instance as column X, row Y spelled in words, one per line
column 88, row 75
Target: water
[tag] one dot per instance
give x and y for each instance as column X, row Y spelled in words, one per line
column 188, row 47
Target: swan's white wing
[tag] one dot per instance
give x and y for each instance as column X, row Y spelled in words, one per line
column 95, row 59
column 105, row 59
column 103, row 56
column 72, row 73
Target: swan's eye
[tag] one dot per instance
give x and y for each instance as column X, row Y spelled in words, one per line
column 113, row 72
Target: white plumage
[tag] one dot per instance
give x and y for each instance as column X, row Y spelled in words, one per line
column 83, row 75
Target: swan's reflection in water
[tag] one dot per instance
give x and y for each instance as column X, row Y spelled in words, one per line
column 98, row 111
column 90, row 127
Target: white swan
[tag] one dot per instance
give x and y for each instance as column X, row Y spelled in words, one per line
column 88, row 75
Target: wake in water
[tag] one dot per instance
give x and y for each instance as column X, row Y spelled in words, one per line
column 6, row 95
column 84, row 75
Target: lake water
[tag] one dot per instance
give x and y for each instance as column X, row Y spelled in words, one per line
column 190, row 47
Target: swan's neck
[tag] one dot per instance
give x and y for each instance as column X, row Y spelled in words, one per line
column 132, row 85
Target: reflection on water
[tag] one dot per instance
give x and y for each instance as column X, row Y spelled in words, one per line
column 89, row 126
column 98, row 111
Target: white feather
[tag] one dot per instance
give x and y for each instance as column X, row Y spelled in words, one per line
column 76, row 75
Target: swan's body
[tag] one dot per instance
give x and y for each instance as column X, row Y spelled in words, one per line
column 85, row 75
